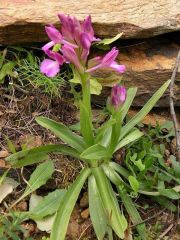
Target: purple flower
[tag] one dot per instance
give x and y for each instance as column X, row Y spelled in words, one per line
column 118, row 95
column 108, row 61
column 50, row 67
column 71, row 56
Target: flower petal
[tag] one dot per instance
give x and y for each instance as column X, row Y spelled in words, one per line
column 119, row 68
column 71, row 56
column 110, row 57
column 49, row 67
column 55, row 56
column 47, row 46
column 53, row 34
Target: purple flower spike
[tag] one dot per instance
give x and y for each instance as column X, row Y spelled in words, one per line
column 118, row 95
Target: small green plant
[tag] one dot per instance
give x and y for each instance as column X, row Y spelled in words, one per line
column 10, row 227
column 28, row 72
column 94, row 147
column 6, row 67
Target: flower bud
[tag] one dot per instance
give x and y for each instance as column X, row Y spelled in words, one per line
column 118, row 95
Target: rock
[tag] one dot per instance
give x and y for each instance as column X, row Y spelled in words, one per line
column 4, row 154
column 24, row 20
column 2, row 163
column 84, row 202
column 74, row 226
column 85, row 214
column 22, row 206
column 149, row 64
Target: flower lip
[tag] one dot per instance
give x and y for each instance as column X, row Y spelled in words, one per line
column 50, row 67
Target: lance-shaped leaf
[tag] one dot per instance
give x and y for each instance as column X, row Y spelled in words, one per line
column 97, row 211
column 39, row 154
column 38, row 178
column 108, row 41
column 131, row 93
column 48, row 205
column 95, row 152
column 101, row 131
column 63, row 132
column 65, row 209
column 131, row 137
column 145, row 110
column 115, row 217
column 86, row 125
column 121, row 170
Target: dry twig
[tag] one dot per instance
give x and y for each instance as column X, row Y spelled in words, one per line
column 173, row 114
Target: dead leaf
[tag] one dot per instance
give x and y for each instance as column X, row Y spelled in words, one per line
column 46, row 223
column 7, row 187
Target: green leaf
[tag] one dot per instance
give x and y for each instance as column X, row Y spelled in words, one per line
column 169, row 193
column 38, row 178
column 112, row 175
column 86, row 125
column 48, row 205
column 116, row 219
column 131, row 93
column 65, row 209
column 145, row 110
column 63, row 132
column 97, row 211
column 7, row 69
column 139, row 164
column 75, row 127
column 133, row 213
column 134, row 183
column 131, row 137
column 95, row 152
column 39, row 154
column 118, row 168
column 101, row 131
column 108, row 41
column 95, row 86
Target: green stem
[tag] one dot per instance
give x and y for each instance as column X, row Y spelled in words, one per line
column 86, row 95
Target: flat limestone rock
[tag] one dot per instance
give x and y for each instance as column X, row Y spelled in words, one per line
column 149, row 64
column 23, row 21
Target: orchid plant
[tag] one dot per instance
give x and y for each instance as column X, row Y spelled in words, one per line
column 94, row 147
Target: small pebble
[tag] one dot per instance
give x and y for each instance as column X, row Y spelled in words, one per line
column 85, row 214
column 4, row 154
